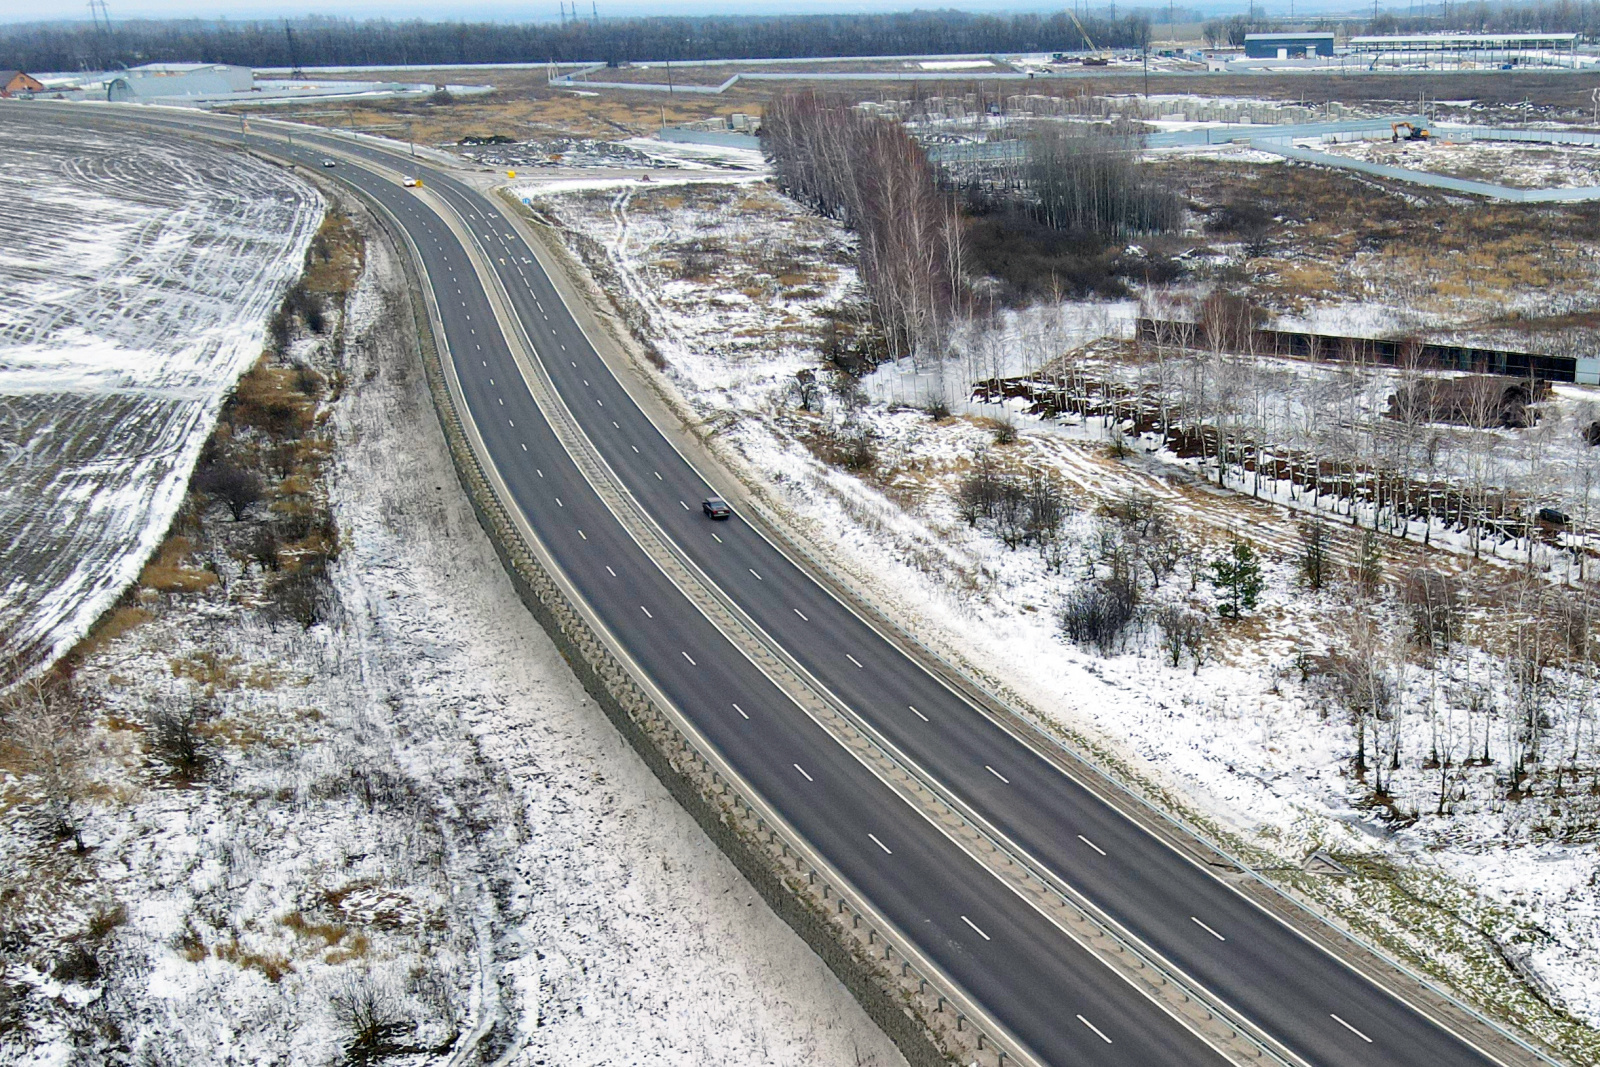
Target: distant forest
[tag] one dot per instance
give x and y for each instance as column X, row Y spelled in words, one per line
column 338, row 42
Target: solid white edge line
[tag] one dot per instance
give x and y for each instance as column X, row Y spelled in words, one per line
column 1097, row 1031
column 974, row 925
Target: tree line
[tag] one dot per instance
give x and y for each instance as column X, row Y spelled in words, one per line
column 323, row 41
column 870, row 175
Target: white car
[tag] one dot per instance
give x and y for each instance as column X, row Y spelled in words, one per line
column 409, row 182
column 329, row 163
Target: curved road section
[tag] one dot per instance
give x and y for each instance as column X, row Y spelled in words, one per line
column 1060, row 1002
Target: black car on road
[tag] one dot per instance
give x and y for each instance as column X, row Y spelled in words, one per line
column 716, row 508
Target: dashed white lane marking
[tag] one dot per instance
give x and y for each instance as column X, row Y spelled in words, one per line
column 752, row 570
column 602, row 403
column 539, row 472
column 803, row 773
column 917, row 713
column 685, row 506
column 880, row 844
column 1350, row 1028
column 997, row 774
column 740, row 710
column 524, row 448
column 981, row 934
column 611, row 572
column 802, row 614
column 852, row 659
column 614, row 424
column 635, row 449
column 690, row 658
column 1097, row 1031
column 502, row 401
column 658, row 476
column 1206, row 928
column 717, row 539
column 583, row 535
column 646, row 612
column 559, row 504
column 1091, row 844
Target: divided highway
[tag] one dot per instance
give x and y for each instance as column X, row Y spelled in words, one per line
column 1057, row 1000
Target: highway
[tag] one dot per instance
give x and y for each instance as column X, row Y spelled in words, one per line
column 1061, row 1003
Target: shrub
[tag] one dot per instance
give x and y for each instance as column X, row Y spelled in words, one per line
column 175, row 739
column 1184, row 632
column 1005, row 432
column 938, row 409
column 1098, row 616
column 229, row 483
column 371, row 1015
column 300, row 596
column 1434, row 603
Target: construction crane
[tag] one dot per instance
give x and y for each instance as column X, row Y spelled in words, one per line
column 1095, row 58
column 295, row 73
column 1413, row 132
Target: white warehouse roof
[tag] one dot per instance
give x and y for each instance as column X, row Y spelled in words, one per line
column 1479, row 40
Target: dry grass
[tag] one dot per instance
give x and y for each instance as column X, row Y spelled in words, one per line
column 333, row 262
column 270, row 964
column 526, row 108
column 168, row 572
column 112, row 625
column 1340, row 237
column 330, row 934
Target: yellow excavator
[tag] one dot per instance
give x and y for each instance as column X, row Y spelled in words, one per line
column 1413, row 132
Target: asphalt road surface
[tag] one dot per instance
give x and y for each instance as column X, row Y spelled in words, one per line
column 1066, row 1007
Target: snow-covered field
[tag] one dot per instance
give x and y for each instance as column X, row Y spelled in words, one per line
column 1240, row 737
column 136, row 274
column 411, row 806
column 1518, row 165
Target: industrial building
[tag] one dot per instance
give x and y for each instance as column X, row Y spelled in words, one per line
column 1287, row 45
column 157, row 81
column 1464, row 49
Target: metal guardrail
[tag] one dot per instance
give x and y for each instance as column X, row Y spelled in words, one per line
column 1140, row 802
